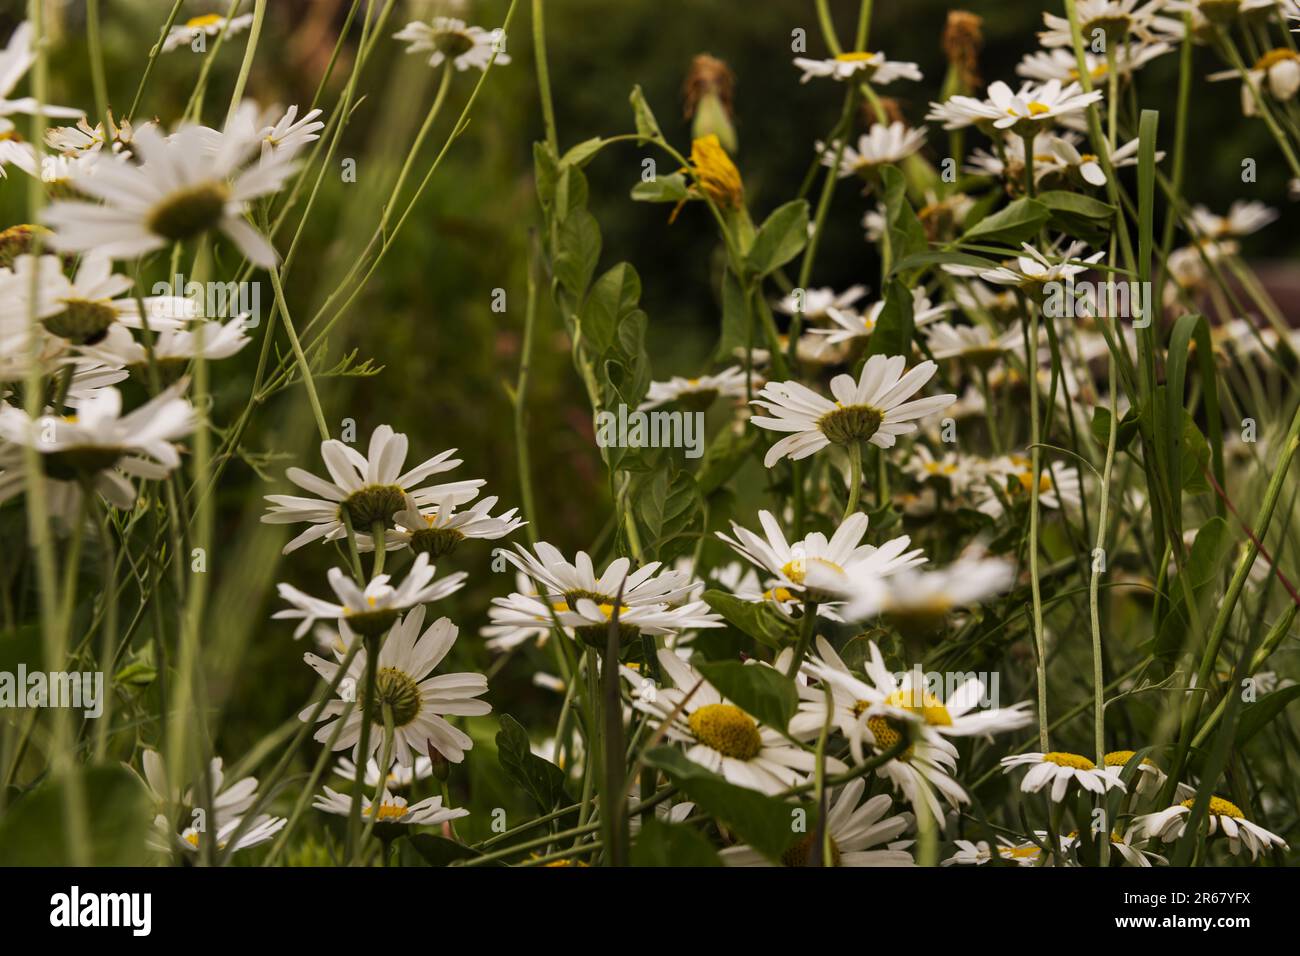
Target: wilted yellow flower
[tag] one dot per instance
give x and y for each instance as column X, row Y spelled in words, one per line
column 715, row 173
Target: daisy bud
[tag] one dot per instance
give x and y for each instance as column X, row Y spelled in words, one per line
column 441, row 766
column 707, row 92
column 963, row 38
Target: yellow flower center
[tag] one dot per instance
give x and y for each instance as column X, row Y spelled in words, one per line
column 1073, row 761
column 855, row 56
column 387, row 812
column 929, row 707
column 1029, row 852
column 780, row 595
column 797, row 569
column 727, row 729
column 1120, row 758
column 1038, row 109
column 1273, row 57
column 1219, row 807
column 207, row 20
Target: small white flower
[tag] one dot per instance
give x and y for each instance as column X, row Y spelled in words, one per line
column 391, row 809
column 438, row 531
column 397, row 778
column 817, row 303
column 1061, row 64
column 915, row 594
column 696, row 394
column 856, row 835
column 1033, row 105
column 372, row 610
column 1117, row 19
column 172, row 346
column 1223, row 815
column 1034, row 269
column 717, row 734
column 209, row 24
column 288, row 135
column 1244, row 217
column 371, row 488
column 195, row 181
column 972, row 343
column 450, row 39
column 873, row 409
column 877, row 69
column 418, row 703
column 878, row 146
column 1058, row 770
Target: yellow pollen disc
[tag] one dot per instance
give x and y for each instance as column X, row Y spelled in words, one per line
column 1038, row 109
column 1120, row 758
column 856, row 56
column 1073, row 761
column 797, row 569
column 1026, row 479
column 929, row 707
column 1019, row 852
column 608, row 610
column 727, row 729
column 1273, row 57
column 192, row 839
column 781, row 595
column 207, row 20
column 939, row 468
column 1219, row 807
column 388, row 811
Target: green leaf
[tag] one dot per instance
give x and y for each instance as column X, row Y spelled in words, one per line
column 1194, row 457
column 769, row 825
column 906, row 235
column 582, row 154
column 670, row 844
column 896, row 324
column 646, row 124
column 757, row 619
column 33, row 830
column 539, row 778
column 613, row 297
column 723, row 458
column 578, row 252
column 939, row 257
column 1128, row 427
column 759, row 690
column 1255, row 717
column 671, row 188
column 781, row 237
column 1201, row 568
column 439, row 851
column 1018, row 222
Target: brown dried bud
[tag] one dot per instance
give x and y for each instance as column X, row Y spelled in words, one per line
column 707, row 95
column 708, row 74
column 441, row 766
column 963, row 38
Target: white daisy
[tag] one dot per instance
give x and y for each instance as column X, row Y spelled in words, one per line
column 1020, row 853
column 815, row 566
column 925, row 767
column 371, row 487
column 875, row 67
column 651, row 584
column 1025, row 111
column 1033, row 270
column 873, row 409
column 101, row 445
column 1058, row 485
column 1059, row 769
column 718, row 735
column 418, row 703
column 398, row 777
column 1117, row 19
column 450, row 39
column 440, row 530
column 1150, row 777
column 1061, row 64
column 1223, row 815
column 181, row 188
column 262, row 829
column 817, row 303
column 927, row 596
column 1244, row 217
column 208, row 24
column 391, row 809
column 1130, row 846
column 173, row 349
column 697, row 394
column 849, row 324
column 15, row 60
column 970, row 343
column 288, row 135
column 505, row 630
column 854, row 831
column 878, row 146
column 372, row 610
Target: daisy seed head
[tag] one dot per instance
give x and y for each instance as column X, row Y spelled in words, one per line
column 801, row 853
column 373, row 503
column 188, row 212
column 395, row 689
column 851, row 423
column 727, row 729
column 83, row 321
